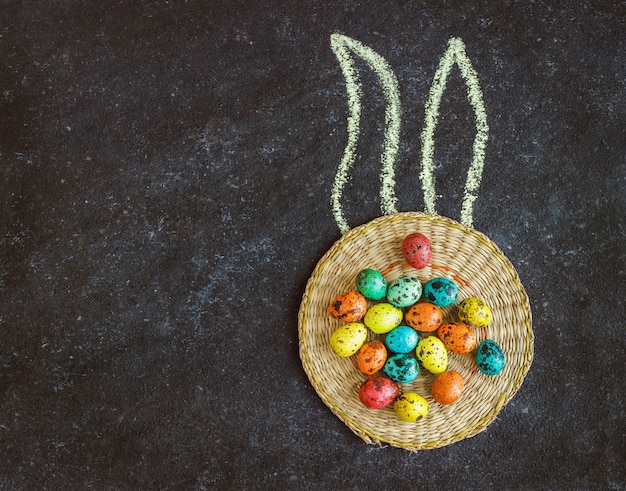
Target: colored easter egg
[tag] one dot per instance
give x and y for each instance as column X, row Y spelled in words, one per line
column 410, row 407
column 371, row 284
column 417, row 250
column 371, row 357
column 441, row 291
column 457, row 337
column 490, row 358
column 475, row 312
column 382, row 318
column 401, row 339
column 432, row 354
column 378, row 392
column 404, row 291
column 347, row 339
column 348, row 307
column 424, row 317
column 401, row 368
column 447, row 388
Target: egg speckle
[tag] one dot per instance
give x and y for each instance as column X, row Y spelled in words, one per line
column 401, row 368
column 404, row 291
column 441, row 291
column 490, row 358
column 371, row 284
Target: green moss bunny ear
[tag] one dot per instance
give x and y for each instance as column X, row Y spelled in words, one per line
column 345, row 49
column 454, row 54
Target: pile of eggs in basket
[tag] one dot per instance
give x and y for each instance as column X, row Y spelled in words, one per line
column 423, row 339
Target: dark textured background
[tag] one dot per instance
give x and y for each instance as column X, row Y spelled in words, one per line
column 165, row 174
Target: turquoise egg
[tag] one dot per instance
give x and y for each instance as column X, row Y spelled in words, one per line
column 404, row 291
column 371, row 284
column 490, row 357
column 441, row 291
column 402, row 339
column 402, row 368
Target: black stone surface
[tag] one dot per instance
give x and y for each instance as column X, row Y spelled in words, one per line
column 165, row 174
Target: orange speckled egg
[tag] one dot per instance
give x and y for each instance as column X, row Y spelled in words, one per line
column 371, row 357
column 424, row 317
column 457, row 337
column 448, row 387
column 348, row 307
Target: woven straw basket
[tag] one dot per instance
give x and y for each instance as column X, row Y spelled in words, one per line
column 479, row 268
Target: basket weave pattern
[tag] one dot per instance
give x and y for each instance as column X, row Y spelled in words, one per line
column 479, row 262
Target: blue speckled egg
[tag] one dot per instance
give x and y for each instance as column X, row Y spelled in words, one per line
column 490, row 357
column 404, row 291
column 401, row 368
column 441, row 291
column 402, row 339
column 371, row 284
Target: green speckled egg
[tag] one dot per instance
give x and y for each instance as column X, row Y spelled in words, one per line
column 401, row 368
column 490, row 357
column 441, row 291
column 371, row 284
column 404, row 291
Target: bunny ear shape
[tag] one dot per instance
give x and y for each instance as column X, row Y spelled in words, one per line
column 345, row 49
column 454, row 54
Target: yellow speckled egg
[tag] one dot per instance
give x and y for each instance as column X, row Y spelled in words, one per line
column 348, row 339
column 475, row 312
column 382, row 318
column 432, row 353
column 410, row 407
